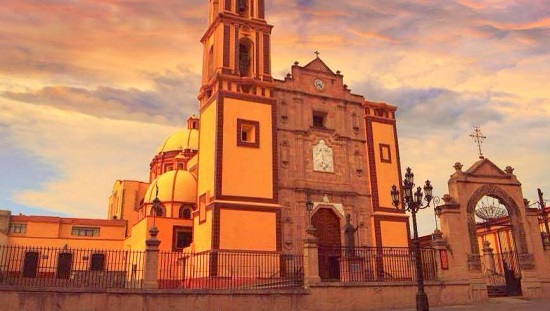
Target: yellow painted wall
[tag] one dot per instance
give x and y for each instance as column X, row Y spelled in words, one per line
column 105, row 232
column 42, row 229
column 258, row 232
column 247, row 171
column 394, row 234
column 138, row 235
column 202, row 233
column 56, row 232
column 207, row 145
column 500, row 240
column 61, row 242
column 386, row 173
column 124, row 199
column 192, row 164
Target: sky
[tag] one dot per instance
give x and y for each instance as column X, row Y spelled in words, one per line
column 90, row 88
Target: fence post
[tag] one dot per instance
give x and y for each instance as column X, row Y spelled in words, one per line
column 488, row 255
column 151, row 260
column 441, row 256
column 311, row 256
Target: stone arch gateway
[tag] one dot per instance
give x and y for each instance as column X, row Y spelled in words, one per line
column 512, row 207
column 461, row 235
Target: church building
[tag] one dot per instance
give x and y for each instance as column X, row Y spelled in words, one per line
column 264, row 159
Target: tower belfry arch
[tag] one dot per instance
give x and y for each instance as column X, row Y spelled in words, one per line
column 469, row 251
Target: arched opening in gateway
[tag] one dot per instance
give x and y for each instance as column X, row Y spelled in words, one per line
column 497, row 248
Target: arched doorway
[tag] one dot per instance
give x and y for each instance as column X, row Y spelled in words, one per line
column 327, row 225
column 494, row 217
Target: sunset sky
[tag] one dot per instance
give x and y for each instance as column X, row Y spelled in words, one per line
column 90, row 88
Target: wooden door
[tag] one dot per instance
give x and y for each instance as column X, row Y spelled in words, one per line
column 327, row 225
column 30, row 264
column 64, row 264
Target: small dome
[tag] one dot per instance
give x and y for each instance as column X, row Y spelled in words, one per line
column 173, row 186
column 183, row 139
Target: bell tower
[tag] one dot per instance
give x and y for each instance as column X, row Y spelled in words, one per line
column 237, row 49
column 237, row 171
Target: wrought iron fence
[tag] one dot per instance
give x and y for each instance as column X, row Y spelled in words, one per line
column 499, row 268
column 229, row 269
column 70, row 267
column 374, row 264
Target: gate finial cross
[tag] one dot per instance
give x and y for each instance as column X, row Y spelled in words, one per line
column 478, row 139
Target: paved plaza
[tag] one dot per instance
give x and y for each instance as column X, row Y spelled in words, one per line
column 500, row 304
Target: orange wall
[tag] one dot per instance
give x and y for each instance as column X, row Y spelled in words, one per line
column 138, row 235
column 70, row 242
column 258, row 232
column 202, row 233
column 386, row 173
column 56, row 232
column 207, row 145
column 247, row 171
column 394, row 234
column 125, row 198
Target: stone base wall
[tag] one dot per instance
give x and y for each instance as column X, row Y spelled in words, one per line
column 331, row 297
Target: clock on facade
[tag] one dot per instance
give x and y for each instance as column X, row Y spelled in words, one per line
column 319, row 84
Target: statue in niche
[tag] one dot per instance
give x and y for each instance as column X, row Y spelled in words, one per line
column 349, row 234
column 244, row 59
column 242, row 6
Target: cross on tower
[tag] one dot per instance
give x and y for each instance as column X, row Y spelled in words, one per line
column 317, row 53
column 478, row 139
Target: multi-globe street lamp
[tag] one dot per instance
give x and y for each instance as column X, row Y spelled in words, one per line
column 413, row 202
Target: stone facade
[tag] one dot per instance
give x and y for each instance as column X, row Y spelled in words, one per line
column 317, row 144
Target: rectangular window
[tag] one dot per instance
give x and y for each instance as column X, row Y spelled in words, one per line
column 248, row 133
column 319, row 119
column 18, row 228
column 182, row 238
column 85, row 231
column 385, row 153
column 97, row 262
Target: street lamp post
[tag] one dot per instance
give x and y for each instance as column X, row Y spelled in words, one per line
column 412, row 202
column 544, row 215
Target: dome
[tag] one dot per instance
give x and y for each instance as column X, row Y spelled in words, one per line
column 173, row 186
column 183, row 139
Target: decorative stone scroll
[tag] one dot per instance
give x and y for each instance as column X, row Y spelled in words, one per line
column 323, row 160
